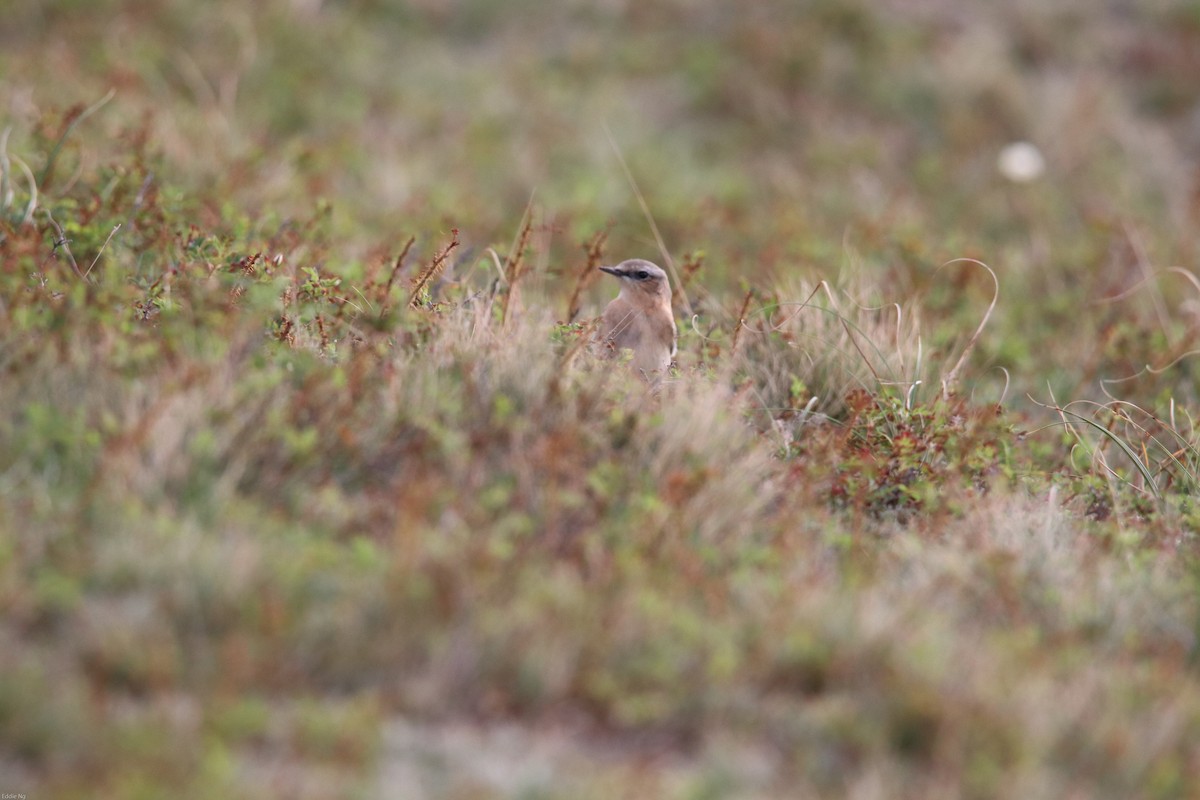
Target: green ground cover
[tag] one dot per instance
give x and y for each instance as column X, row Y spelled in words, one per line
column 311, row 484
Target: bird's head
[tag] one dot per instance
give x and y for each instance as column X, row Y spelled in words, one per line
column 642, row 280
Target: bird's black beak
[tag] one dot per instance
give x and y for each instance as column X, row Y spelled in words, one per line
column 613, row 271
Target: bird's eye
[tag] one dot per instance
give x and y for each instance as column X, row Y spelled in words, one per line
column 641, row 275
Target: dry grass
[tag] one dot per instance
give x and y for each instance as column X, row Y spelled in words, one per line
column 275, row 524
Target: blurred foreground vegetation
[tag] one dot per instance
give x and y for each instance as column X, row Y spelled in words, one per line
column 311, row 484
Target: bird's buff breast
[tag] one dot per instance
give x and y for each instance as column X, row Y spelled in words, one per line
column 640, row 336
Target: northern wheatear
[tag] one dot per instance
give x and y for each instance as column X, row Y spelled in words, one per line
column 640, row 319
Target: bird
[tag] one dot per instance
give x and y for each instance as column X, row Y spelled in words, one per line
column 640, row 317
